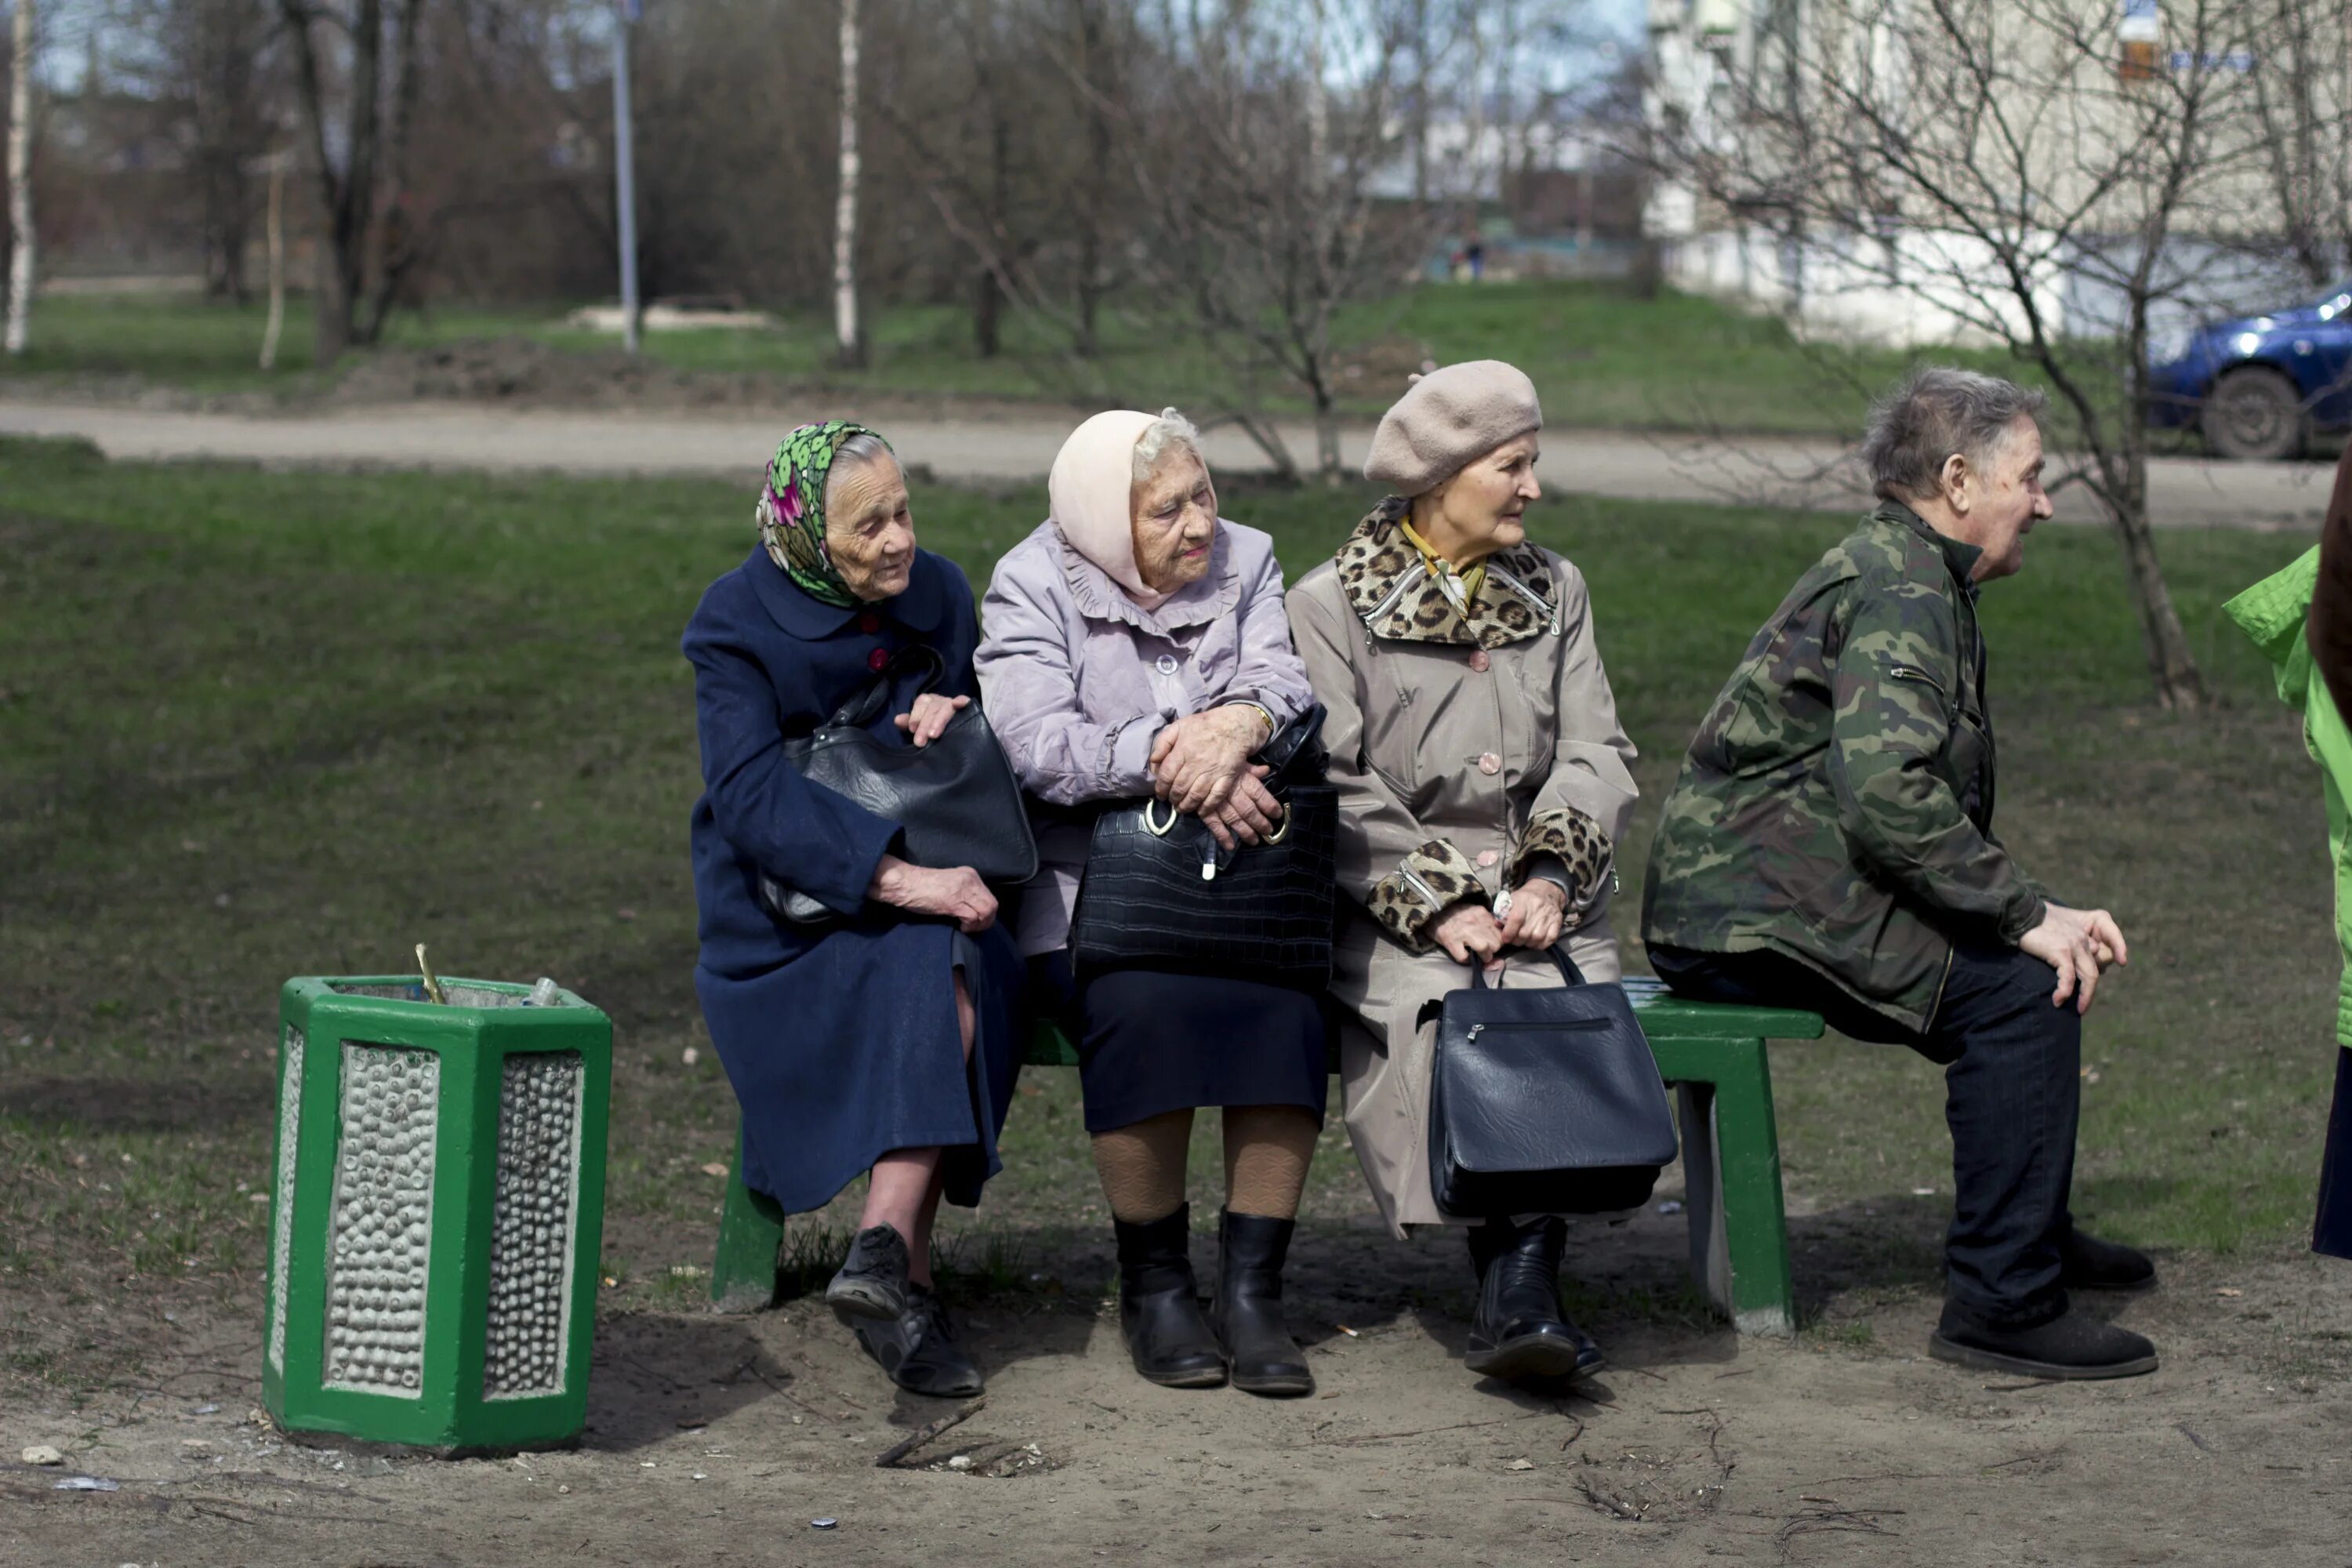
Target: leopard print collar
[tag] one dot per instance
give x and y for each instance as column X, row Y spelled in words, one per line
column 1388, row 585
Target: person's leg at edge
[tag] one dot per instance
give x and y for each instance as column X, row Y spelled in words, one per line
column 1267, row 1151
column 2013, row 1096
column 893, row 1246
column 1142, row 1170
column 919, row 1347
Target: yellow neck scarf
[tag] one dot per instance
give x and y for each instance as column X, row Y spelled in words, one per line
column 1460, row 588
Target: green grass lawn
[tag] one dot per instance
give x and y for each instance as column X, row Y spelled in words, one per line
column 1601, row 358
column 254, row 725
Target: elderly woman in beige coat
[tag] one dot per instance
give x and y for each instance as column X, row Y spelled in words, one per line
column 1484, row 781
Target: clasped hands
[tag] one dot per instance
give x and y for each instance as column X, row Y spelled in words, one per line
column 1201, row 763
column 1538, row 909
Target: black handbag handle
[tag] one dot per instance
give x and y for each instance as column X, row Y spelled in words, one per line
column 1570, row 975
column 867, row 705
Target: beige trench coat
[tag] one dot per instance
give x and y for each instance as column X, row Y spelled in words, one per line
column 1427, row 746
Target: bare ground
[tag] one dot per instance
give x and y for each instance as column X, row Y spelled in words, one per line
column 718, row 1440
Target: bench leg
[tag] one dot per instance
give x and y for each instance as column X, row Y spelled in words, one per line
column 1731, row 1158
column 751, row 1230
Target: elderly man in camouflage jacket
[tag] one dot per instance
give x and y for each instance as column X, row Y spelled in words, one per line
column 1829, row 845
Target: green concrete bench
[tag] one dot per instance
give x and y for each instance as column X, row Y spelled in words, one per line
column 1713, row 1056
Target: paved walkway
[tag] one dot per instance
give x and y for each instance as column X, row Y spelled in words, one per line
column 2184, row 492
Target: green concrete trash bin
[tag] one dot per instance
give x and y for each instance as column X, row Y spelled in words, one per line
column 437, row 1211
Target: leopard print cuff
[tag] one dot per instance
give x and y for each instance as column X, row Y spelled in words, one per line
column 1583, row 851
column 1430, row 880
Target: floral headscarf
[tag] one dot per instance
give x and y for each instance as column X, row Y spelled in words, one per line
column 790, row 513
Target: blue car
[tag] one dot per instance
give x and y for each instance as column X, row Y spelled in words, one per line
column 2260, row 387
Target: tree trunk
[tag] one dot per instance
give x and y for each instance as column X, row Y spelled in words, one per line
column 2180, row 685
column 277, row 262
column 987, row 312
column 1095, row 198
column 849, row 343
column 1420, row 127
column 20, row 183
column 1326, row 436
column 348, row 200
column 399, row 239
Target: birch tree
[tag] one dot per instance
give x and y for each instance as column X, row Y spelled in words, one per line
column 20, row 182
column 849, row 346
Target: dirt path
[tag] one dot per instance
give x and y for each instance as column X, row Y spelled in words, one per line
column 717, row 1441
column 1011, row 444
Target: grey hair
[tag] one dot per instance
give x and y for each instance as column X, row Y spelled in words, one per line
column 1171, row 431
column 1937, row 412
column 859, row 451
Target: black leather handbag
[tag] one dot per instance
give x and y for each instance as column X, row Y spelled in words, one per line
column 1159, row 892
column 1544, row 1101
column 956, row 798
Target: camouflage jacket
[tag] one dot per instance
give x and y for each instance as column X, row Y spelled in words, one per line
column 1836, row 805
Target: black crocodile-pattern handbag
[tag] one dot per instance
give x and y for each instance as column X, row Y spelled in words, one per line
column 1158, row 891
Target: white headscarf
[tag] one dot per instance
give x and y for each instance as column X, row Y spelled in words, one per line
column 1090, row 490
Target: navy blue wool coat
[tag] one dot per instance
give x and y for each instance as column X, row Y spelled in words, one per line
column 841, row 1040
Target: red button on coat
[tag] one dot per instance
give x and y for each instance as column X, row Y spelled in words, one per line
column 1488, row 763
column 1479, row 660
column 877, row 660
column 870, row 622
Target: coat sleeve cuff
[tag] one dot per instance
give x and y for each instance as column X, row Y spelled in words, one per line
column 1128, row 760
column 1572, row 837
column 1427, row 882
column 2024, row 913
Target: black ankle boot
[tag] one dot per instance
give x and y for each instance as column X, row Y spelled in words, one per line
column 1159, row 1304
column 1520, row 1331
column 1248, row 1317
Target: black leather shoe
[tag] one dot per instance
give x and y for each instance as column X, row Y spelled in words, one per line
column 2086, row 1263
column 1248, row 1316
column 1519, row 1331
column 872, row 1283
column 1159, row 1304
column 2069, row 1346
column 918, row 1348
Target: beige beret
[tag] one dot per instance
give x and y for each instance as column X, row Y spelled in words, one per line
column 1448, row 419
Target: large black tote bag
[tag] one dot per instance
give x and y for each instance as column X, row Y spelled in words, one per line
column 1544, row 1101
column 1158, row 891
column 956, row 798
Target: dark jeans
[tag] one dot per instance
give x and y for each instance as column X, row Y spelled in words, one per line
column 2012, row 1067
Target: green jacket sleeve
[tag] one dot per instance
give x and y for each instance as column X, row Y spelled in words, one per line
column 1896, row 666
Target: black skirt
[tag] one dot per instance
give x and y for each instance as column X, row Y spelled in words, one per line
column 2332, row 1232
column 1151, row 1041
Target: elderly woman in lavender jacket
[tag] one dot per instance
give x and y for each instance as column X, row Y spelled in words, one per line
column 1137, row 645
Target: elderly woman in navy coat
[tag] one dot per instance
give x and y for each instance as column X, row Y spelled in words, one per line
column 883, row 1041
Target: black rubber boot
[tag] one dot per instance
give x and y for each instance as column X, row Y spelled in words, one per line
column 1159, row 1304
column 1248, row 1316
column 918, row 1348
column 2069, row 1346
column 2086, row 1263
column 872, row 1282
column 1519, row 1331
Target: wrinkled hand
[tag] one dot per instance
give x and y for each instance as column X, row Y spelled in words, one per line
column 2077, row 943
column 1197, row 761
column 1466, row 929
column 927, row 720
column 1250, row 814
column 1539, row 909
column 956, row 892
